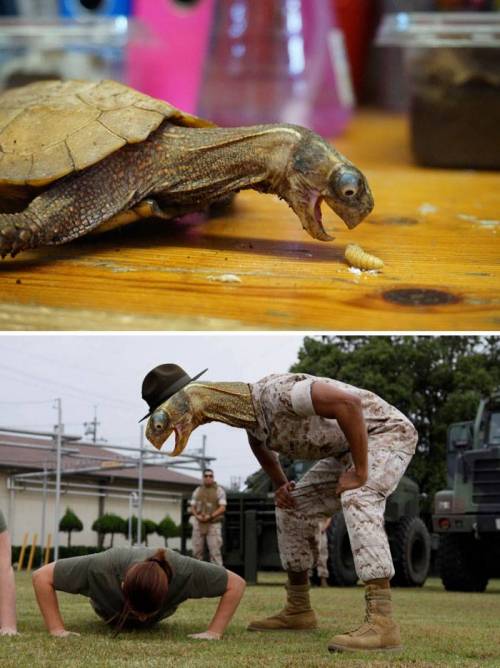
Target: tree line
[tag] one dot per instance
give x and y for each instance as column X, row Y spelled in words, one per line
column 112, row 524
column 434, row 380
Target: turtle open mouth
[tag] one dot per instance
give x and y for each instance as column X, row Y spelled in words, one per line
column 158, row 433
column 312, row 221
column 317, row 213
column 182, row 434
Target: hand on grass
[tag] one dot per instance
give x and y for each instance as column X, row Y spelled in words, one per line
column 62, row 633
column 283, row 497
column 206, row 635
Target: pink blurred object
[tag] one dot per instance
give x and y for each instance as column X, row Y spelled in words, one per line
column 334, row 103
column 276, row 61
column 171, row 68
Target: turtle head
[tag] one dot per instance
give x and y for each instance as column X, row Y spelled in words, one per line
column 176, row 416
column 319, row 173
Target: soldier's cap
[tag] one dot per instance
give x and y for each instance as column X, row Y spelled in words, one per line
column 162, row 382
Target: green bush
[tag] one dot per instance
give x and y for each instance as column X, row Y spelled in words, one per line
column 64, row 553
column 70, row 522
column 168, row 529
column 147, row 527
column 109, row 523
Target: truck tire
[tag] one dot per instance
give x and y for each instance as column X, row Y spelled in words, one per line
column 340, row 560
column 458, row 564
column 410, row 544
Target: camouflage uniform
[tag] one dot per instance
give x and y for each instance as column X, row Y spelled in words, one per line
column 322, row 547
column 287, row 424
column 211, row 532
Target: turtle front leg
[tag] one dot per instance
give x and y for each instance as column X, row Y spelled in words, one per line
column 77, row 204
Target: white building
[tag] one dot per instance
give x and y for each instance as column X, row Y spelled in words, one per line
column 95, row 480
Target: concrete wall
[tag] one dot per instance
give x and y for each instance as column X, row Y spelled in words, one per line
column 24, row 509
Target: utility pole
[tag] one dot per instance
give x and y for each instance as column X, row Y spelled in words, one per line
column 57, row 511
column 203, row 452
column 44, row 511
column 140, row 487
column 133, row 502
column 91, row 427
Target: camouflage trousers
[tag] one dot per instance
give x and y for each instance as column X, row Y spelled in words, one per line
column 363, row 508
column 322, row 562
column 212, row 534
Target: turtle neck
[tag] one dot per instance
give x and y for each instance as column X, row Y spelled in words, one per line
column 230, row 403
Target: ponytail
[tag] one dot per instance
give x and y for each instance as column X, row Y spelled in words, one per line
column 145, row 588
column 160, row 558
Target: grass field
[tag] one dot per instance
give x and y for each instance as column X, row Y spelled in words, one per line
column 438, row 628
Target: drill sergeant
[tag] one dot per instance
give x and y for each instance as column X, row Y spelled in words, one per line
column 362, row 446
column 208, row 505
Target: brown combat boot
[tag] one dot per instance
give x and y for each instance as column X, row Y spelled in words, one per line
column 297, row 614
column 379, row 632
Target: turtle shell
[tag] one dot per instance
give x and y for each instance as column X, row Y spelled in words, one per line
column 51, row 128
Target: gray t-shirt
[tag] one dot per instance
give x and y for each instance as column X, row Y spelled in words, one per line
column 99, row 576
column 3, row 523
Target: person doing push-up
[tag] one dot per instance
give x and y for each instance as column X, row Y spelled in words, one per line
column 137, row 587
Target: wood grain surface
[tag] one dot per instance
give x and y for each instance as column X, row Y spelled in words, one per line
column 253, row 267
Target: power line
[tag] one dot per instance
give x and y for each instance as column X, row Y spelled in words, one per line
column 52, row 361
column 45, row 401
column 68, row 388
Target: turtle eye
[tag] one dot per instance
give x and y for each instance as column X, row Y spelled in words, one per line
column 159, row 421
column 348, row 184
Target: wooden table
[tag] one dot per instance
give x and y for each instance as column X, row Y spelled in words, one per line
column 254, row 268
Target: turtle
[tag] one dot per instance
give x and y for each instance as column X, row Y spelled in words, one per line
column 82, row 156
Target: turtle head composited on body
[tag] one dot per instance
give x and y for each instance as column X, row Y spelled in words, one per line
column 79, row 157
column 197, row 404
column 181, row 414
column 174, row 416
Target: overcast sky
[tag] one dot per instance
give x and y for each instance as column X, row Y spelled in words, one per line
column 107, row 371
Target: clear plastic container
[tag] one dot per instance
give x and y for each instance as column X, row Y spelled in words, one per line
column 453, row 66
column 93, row 48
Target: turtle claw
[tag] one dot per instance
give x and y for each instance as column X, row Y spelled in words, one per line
column 15, row 235
column 7, row 242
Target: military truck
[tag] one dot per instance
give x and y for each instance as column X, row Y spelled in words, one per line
column 467, row 514
column 250, row 541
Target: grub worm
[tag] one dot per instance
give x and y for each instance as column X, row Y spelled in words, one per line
column 357, row 257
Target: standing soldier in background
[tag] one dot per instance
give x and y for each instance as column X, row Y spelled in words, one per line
column 208, row 505
column 8, row 625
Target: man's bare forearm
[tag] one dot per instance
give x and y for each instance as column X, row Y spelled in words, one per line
column 352, row 423
column 330, row 402
column 269, row 461
column 218, row 512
